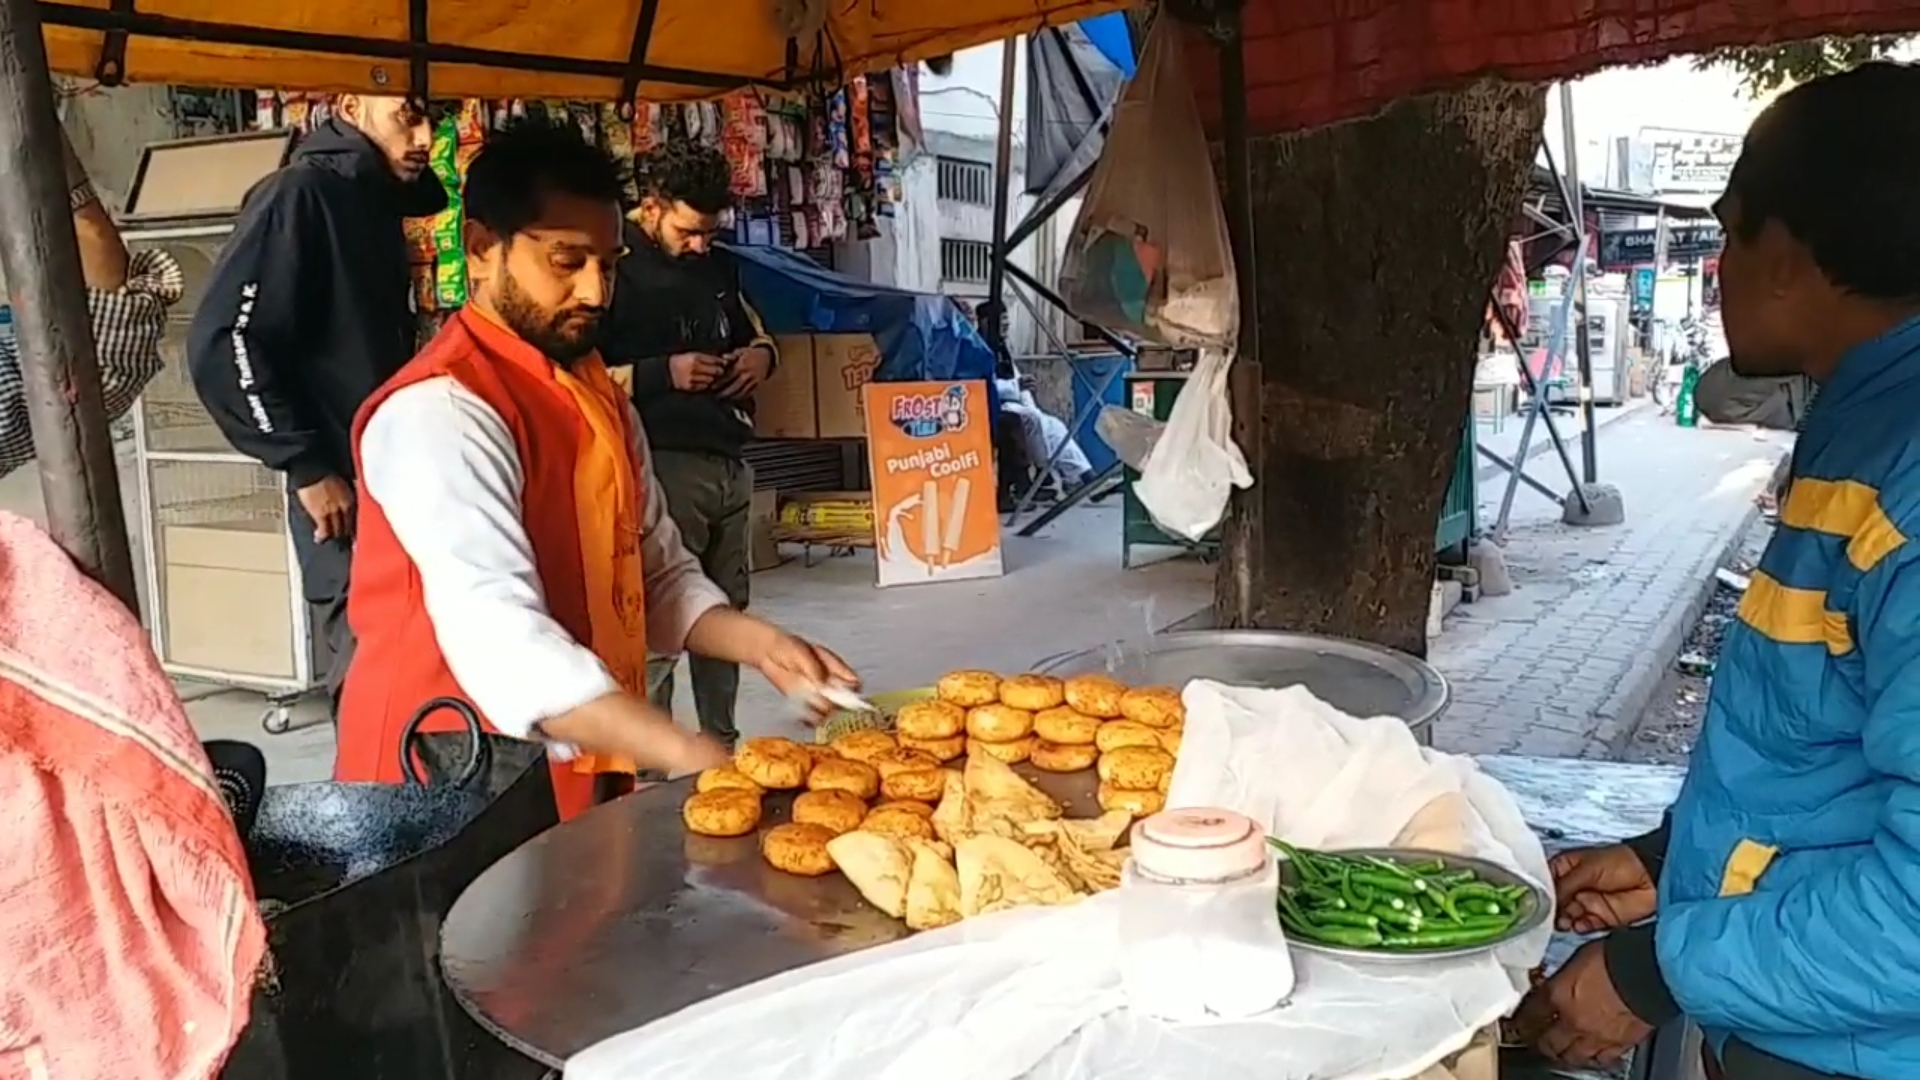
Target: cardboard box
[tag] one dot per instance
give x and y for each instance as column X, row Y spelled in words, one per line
column 843, row 365
column 763, row 551
column 784, row 407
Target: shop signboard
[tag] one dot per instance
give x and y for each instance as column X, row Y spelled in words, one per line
column 1623, row 249
column 1693, row 162
column 930, row 456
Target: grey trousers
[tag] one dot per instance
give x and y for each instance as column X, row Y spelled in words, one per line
column 709, row 497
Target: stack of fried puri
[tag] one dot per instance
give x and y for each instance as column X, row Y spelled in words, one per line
column 1137, row 751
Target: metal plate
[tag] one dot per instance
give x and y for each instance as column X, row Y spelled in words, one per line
column 619, row 917
column 1536, row 908
column 1352, row 676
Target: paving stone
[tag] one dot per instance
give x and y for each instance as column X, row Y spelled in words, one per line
column 1597, row 613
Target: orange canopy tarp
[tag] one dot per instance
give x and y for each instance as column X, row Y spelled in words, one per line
column 568, row 49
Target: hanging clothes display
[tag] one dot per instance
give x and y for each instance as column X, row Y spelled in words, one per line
column 807, row 169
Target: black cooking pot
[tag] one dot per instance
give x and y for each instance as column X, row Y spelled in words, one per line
column 354, row 880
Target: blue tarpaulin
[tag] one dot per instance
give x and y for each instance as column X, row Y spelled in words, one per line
column 1110, row 35
column 921, row 337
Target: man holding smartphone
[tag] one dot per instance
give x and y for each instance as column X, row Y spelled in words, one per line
column 698, row 353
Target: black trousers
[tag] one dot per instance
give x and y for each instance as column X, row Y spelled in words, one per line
column 324, row 568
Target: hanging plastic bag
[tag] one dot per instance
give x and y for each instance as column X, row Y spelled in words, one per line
column 1149, row 256
column 1195, row 465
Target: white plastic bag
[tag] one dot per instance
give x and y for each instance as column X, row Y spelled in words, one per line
column 1149, row 253
column 1195, row 464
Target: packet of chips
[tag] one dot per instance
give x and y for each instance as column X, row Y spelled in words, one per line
column 449, row 246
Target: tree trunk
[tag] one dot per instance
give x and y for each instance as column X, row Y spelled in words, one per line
column 1375, row 243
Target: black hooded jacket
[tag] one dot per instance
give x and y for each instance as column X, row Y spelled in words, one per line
column 310, row 307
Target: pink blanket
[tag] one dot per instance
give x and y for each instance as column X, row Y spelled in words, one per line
column 129, row 939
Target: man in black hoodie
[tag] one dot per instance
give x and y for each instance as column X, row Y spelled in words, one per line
column 309, row 310
column 698, row 353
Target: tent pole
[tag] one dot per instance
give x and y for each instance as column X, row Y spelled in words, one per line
column 41, row 260
column 1583, row 349
column 1002, row 196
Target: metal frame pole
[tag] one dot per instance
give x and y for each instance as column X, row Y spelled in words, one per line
column 41, row 260
column 1002, row 196
column 1583, row 349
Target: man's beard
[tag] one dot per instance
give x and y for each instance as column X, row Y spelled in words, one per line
column 561, row 337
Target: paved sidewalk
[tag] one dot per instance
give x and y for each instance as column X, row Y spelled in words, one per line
column 1565, row 664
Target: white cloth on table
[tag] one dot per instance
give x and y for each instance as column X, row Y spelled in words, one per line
column 1036, row 992
column 444, row 470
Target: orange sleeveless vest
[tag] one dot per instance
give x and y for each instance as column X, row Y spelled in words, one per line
column 397, row 664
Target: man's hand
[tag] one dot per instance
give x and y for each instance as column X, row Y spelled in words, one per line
column 1601, row 888
column 1576, row 1017
column 751, row 366
column 798, row 669
column 694, row 372
column 628, row 726
column 329, row 503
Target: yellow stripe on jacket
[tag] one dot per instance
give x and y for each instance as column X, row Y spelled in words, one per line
column 1844, row 508
column 1794, row 616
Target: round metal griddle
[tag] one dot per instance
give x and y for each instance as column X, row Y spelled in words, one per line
column 619, row 918
column 1352, row 676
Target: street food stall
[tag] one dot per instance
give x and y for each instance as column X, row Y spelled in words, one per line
column 672, row 53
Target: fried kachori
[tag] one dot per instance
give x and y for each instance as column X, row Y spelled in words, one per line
column 1095, row 695
column 903, row 759
column 1063, row 757
column 941, row 750
column 919, row 785
column 969, row 688
column 722, row 812
column 1138, row 768
column 930, row 719
column 1170, row 739
column 835, row 811
column 1032, row 692
column 1137, row 803
column 864, row 745
column 856, row 778
column 1115, row 734
column 1154, row 706
column 774, row 764
column 724, row 777
column 999, row 723
column 900, row 822
column 1012, row 752
column 798, row 848
column 1066, row 726
column 924, row 809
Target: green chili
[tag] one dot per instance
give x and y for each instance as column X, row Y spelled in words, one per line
column 1388, row 883
column 1403, row 920
column 1437, row 937
column 1337, row 917
column 1355, row 937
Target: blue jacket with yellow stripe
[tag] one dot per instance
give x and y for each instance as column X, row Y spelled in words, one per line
column 1790, row 897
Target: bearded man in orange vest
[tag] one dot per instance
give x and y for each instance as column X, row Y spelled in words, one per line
column 514, row 549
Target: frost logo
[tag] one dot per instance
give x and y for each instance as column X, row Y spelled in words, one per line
column 927, row 416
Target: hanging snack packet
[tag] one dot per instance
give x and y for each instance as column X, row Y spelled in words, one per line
column 449, row 246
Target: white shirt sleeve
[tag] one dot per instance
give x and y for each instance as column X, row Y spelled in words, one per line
column 678, row 590
column 442, row 467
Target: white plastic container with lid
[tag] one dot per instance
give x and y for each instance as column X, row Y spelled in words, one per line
column 1200, row 936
